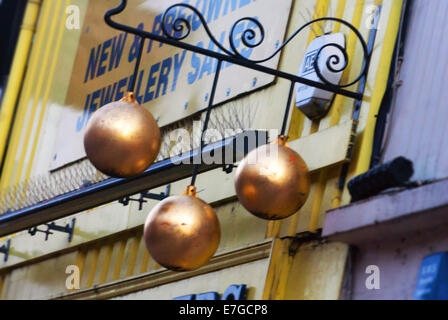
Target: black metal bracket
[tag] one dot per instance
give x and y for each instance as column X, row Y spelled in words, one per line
column 5, row 249
column 146, row 195
column 68, row 228
column 179, row 29
column 228, row 168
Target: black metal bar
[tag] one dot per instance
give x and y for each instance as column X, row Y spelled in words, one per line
column 146, row 195
column 159, row 174
column 137, row 65
column 68, row 228
column 288, row 107
column 207, row 116
column 153, row 196
column 236, row 59
column 5, row 249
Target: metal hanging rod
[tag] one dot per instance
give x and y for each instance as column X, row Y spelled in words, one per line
column 181, row 28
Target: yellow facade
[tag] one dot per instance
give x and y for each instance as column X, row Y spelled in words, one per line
column 107, row 245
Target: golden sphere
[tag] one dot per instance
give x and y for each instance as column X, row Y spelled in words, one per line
column 272, row 182
column 122, row 138
column 182, row 232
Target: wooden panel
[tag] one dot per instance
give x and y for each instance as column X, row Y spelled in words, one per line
column 233, row 263
column 316, row 272
column 305, row 271
column 417, row 126
column 389, row 215
column 325, row 148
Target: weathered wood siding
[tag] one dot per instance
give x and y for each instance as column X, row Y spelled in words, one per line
column 418, row 126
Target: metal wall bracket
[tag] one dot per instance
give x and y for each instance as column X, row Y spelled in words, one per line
column 146, row 195
column 5, row 249
column 228, row 168
column 68, row 228
column 174, row 31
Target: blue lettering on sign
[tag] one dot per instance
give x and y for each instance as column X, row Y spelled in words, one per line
column 149, row 95
column 82, row 119
column 108, row 94
column 196, row 64
column 104, row 54
column 214, row 9
column 135, row 48
column 163, row 77
column 432, row 281
column 121, row 84
column 233, row 292
column 226, row 6
column 107, row 56
column 93, row 103
column 98, row 57
column 207, row 296
column 137, row 91
column 117, row 51
column 178, row 61
column 92, row 65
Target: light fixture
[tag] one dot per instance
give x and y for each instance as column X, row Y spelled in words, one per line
column 182, row 232
column 272, row 182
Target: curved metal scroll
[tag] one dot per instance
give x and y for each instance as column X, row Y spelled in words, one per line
column 179, row 29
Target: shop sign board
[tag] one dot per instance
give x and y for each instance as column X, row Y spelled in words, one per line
column 171, row 83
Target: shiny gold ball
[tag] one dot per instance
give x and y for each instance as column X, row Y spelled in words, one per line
column 182, row 232
column 122, row 138
column 272, row 182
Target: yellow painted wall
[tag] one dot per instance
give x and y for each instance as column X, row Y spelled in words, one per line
column 107, row 243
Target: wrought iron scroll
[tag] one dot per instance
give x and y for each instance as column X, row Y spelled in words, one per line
column 180, row 28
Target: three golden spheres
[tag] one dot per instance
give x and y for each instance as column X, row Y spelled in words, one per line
column 122, row 138
column 272, row 182
column 182, row 232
